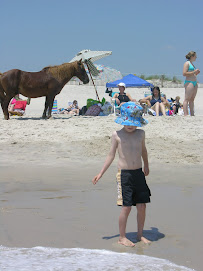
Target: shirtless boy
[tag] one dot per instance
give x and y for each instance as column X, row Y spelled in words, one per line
column 132, row 187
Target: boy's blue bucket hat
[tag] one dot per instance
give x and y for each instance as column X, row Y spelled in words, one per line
column 131, row 115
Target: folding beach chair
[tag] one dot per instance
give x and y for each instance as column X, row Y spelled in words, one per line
column 145, row 105
column 55, row 107
column 116, row 108
column 147, row 93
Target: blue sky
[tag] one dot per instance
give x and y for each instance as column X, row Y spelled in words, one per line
column 145, row 37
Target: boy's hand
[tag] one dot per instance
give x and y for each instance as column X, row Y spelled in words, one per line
column 146, row 170
column 96, row 178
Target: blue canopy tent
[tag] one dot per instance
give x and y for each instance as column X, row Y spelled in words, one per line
column 130, row 80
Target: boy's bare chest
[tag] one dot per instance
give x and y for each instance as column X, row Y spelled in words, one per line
column 131, row 143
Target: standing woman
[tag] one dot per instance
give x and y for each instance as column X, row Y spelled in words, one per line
column 191, row 73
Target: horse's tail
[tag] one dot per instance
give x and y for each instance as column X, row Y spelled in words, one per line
column 1, row 90
column 2, row 93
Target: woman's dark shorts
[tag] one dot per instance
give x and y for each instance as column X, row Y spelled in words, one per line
column 132, row 187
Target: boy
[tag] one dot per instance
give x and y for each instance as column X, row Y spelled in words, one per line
column 132, row 187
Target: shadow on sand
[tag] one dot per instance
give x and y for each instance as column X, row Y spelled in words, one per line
column 40, row 118
column 152, row 235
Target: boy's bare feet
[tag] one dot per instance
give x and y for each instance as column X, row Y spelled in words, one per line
column 126, row 242
column 144, row 240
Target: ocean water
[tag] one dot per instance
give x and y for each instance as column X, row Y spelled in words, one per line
column 55, row 259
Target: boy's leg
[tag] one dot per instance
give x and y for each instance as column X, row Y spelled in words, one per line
column 141, row 208
column 122, row 227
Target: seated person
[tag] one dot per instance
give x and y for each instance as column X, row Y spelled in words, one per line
column 176, row 104
column 155, row 101
column 122, row 97
column 17, row 106
column 72, row 109
column 166, row 102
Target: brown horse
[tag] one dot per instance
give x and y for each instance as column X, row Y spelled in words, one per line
column 48, row 82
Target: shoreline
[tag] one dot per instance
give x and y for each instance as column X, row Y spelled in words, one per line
column 59, row 207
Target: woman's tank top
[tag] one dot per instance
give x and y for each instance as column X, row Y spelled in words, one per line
column 153, row 100
column 123, row 98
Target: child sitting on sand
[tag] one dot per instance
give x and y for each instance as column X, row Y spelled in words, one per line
column 132, row 187
column 176, row 104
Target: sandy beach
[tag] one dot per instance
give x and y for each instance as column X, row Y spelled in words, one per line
column 47, row 198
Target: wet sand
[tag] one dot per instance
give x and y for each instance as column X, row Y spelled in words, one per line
column 59, row 207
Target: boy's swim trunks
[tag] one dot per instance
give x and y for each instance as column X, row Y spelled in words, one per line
column 132, row 187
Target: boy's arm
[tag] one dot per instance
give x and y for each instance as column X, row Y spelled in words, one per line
column 145, row 156
column 109, row 159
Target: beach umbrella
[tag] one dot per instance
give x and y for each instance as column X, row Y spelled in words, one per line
column 106, row 74
column 88, row 57
column 91, row 55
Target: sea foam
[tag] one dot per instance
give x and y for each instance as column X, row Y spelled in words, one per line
column 55, row 259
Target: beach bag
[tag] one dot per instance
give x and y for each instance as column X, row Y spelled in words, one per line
column 83, row 110
column 93, row 110
column 91, row 102
column 107, row 108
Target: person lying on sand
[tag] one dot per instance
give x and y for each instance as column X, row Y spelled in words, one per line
column 17, row 108
column 72, row 109
column 132, row 187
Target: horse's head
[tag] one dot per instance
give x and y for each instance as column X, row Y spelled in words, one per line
column 81, row 72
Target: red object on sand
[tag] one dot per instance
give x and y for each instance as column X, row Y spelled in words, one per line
column 20, row 105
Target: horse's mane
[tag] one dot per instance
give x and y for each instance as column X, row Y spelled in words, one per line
column 60, row 72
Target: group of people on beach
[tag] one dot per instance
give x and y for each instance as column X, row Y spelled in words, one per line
column 157, row 104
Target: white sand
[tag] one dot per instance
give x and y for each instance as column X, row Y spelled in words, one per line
column 82, row 93
column 170, row 140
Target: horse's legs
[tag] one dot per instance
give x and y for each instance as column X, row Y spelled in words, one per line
column 5, row 106
column 45, row 108
column 51, row 102
column 2, row 106
column 2, row 96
